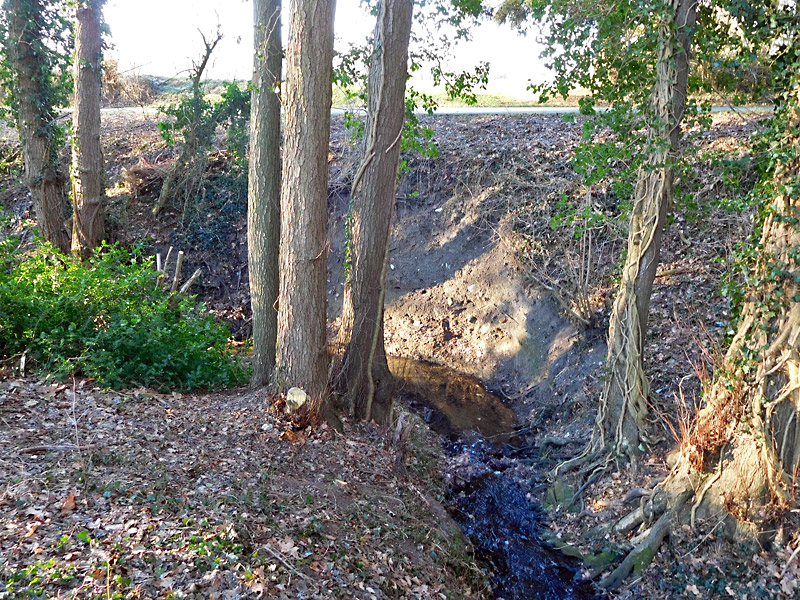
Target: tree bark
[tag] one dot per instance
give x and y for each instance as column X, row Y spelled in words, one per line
column 622, row 420
column 88, row 174
column 302, row 318
column 263, row 205
column 365, row 374
column 36, row 120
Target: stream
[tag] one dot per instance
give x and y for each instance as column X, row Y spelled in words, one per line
column 492, row 508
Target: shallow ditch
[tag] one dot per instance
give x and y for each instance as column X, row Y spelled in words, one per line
column 493, row 508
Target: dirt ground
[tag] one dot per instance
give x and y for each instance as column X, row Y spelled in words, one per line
column 461, row 294
column 139, row 495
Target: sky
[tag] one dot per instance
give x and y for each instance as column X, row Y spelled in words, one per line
column 160, row 37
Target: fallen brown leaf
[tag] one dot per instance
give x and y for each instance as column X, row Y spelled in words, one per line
column 68, row 505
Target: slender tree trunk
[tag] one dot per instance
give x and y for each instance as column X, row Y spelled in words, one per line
column 264, row 194
column 36, row 120
column 623, row 416
column 88, row 174
column 302, row 318
column 365, row 372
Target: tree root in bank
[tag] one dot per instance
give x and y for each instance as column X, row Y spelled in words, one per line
column 550, row 440
column 644, row 512
column 588, row 461
column 644, row 552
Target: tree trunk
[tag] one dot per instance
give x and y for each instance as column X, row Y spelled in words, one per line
column 302, row 318
column 264, row 202
column 622, row 420
column 365, row 376
column 36, row 120
column 88, row 176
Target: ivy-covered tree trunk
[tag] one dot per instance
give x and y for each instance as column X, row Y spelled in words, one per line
column 264, row 193
column 750, row 424
column 88, row 175
column 366, row 380
column 622, row 421
column 303, row 299
column 35, row 116
column 742, row 456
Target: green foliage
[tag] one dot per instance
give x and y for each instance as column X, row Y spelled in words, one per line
column 234, row 114
column 350, row 70
column 351, row 75
column 11, row 163
column 580, row 218
column 733, row 49
column 31, row 581
column 598, row 161
column 514, row 12
column 439, row 25
column 755, row 275
column 721, row 179
column 609, row 51
column 50, row 26
column 107, row 319
column 210, row 220
column 463, row 85
column 195, row 120
column 417, row 138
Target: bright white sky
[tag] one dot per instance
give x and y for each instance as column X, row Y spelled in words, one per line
column 160, row 37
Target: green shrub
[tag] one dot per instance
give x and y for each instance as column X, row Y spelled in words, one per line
column 195, row 119
column 107, row 319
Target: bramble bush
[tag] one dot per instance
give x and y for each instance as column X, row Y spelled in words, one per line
column 107, row 319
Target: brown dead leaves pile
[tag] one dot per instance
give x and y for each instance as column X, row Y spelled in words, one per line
column 139, row 495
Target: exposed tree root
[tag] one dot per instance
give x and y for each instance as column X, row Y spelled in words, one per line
column 742, row 457
column 642, row 555
column 587, row 455
column 645, row 511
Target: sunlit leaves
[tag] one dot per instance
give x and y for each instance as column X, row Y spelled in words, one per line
column 107, row 319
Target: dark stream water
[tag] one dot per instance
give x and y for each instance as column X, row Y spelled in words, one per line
column 492, row 508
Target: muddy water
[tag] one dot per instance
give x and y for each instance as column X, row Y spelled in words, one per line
column 453, row 403
column 492, row 509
